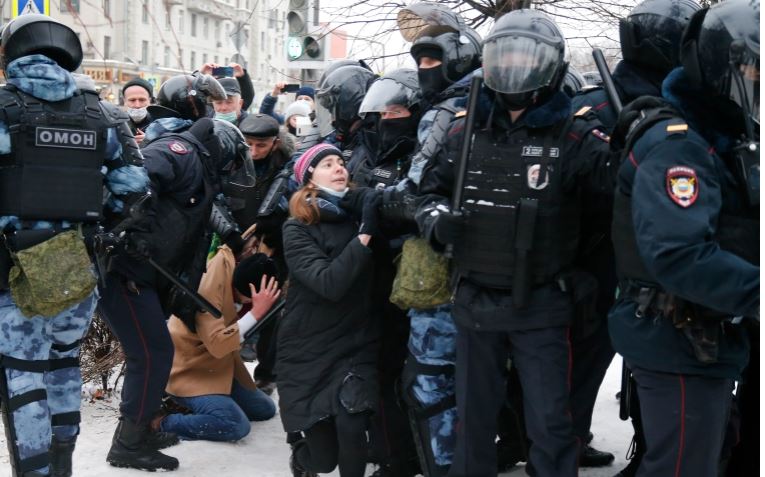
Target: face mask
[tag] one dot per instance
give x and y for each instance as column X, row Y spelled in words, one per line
column 397, row 131
column 137, row 114
column 230, row 117
column 432, row 81
column 516, row 102
column 331, row 192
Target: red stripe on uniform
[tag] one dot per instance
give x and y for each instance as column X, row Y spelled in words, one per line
column 682, row 427
column 601, row 105
column 145, row 351
column 573, row 136
column 632, row 160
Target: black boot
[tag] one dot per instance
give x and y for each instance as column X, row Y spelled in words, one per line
column 591, row 457
column 61, row 456
column 131, row 449
column 159, row 440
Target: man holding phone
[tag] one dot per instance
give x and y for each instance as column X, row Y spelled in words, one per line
column 230, row 109
column 302, row 93
column 137, row 95
column 237, row 72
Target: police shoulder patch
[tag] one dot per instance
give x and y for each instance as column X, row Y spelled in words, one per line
column 682, row 185
column 178, row 147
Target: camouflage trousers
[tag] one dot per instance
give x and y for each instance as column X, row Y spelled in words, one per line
column 433, row 342
column 53, row 344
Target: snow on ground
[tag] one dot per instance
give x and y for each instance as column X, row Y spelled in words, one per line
column 265, row 454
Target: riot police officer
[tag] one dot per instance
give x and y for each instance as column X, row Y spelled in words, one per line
column 337, row 108
column 185, row 154
column 515, row 244
column 686, row 235
column 650, row 39
column 55, row 140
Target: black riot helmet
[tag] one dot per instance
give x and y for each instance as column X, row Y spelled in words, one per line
column 339, row 98
column 523, row 58
column 397, row 88
column 650, row 35
column 186, row 97
column 720, row 53
column 337, row 65
column 40, row 34
column 235, row 162
column 458, row 51
column 573, row 82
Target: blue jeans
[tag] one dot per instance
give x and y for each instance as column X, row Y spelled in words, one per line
column 220, row 417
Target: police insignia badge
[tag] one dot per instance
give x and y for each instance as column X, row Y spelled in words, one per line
column 178, row 148
column 533, row 180
column 682, row 185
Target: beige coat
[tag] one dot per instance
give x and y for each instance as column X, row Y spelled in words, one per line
column 206, row 362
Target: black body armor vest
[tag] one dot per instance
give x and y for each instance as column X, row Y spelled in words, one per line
column 57, row 150
column 519, row 219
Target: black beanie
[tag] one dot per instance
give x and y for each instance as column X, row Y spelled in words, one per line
column 251, row 270
column 139, row 82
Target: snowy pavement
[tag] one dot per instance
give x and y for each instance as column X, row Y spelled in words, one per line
column 265, row 454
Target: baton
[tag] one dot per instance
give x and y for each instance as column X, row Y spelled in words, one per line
column 608, row 82
column 262, row 322
column 195, row 297
column 465, row 149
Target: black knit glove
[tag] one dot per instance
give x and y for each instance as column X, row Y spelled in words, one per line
column 370, row 213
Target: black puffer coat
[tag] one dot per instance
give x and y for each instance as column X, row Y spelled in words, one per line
column 328, row 338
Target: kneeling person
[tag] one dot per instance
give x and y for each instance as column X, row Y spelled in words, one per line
column 208, row 375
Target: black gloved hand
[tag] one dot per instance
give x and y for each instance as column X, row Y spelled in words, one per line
column 627, row 117
column 137, row 246
column 449, row 228
column 370, row 213
column 235, row 242
column 270, row 224
column 354, row 199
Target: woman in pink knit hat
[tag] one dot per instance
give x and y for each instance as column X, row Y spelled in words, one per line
column 327, row 341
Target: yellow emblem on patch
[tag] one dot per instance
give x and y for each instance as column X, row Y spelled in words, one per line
column 673, row 128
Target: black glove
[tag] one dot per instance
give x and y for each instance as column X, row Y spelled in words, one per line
column 137, row 246
column 627, row 117
column 270, row 224
column 354, row 200
column 370, row 213
column 235, row 242
column 449, row 228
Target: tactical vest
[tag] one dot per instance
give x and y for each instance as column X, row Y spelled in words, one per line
column 519, row 219
column 53, row 171
column 738, row 234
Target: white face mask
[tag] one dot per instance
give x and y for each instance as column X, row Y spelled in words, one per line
column 137, row 114
column 332, row 192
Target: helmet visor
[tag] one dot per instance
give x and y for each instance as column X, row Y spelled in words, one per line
column 384, row 95
column 513, row 64
column 324, row 119
column 745, row 87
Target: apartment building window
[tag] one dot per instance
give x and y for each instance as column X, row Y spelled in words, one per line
column 180, row 58
column 262, row 41
column 167, row 18
column 193, row 24
column 204, row 58
column 217, row 30
column 68, row 6
column 215, row 59
column 144, row 52
column 206, row 27
column 193, row 60
column 180, row 21
column 145, row 12
column 167, row 56
column 107, row 8
column 107, row 47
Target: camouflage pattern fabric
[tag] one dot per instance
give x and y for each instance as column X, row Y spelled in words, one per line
column 30, row 339
column 422, row 279
column 433, row 341
column 52, row 276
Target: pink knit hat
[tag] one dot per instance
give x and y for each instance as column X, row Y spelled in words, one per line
column 305, row 164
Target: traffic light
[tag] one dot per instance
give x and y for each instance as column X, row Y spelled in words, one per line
column 302, row 43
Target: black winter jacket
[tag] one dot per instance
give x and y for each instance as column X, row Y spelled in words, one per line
column 327, row 342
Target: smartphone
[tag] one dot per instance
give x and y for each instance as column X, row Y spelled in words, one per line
column 223, row 71
column 291, row 88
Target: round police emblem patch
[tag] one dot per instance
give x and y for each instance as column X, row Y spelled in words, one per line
column 682, row 185
column 533, row 180
column 178, row 147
